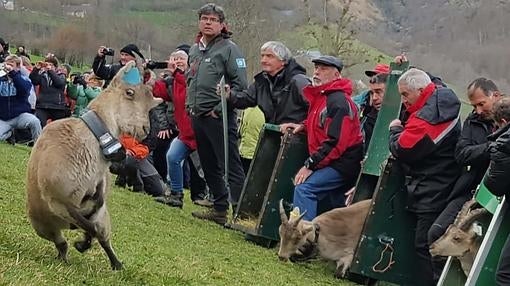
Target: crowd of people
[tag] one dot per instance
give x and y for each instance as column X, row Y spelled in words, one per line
column 444, row 160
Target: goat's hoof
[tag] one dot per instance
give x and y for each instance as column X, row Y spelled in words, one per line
column 82, row 246
column 62, row 258
column 117, row 265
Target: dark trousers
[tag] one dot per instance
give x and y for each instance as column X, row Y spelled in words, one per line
column 503, row 273
column 140, row 173
column 246, row 164
column 198, row 187
column 209, row 137
column 159, row 157
column 429, row 270
column 44, row 114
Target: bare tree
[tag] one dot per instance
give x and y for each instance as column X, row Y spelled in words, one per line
column 336, row 35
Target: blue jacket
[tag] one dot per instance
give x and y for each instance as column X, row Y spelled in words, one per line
column 14, row 92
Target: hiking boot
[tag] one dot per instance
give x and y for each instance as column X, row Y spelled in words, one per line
column 12, row 139
column 219, row 217
column 138, row 188
column 173, row 200
column 120, row 181
column 204, row 203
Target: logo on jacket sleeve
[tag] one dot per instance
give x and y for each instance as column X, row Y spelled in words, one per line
column 241, row 63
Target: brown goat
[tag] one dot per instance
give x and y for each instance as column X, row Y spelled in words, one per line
column 461, row 239
column 67, row 175
column 338, row 229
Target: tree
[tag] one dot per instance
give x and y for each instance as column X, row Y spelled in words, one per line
column 333, row 33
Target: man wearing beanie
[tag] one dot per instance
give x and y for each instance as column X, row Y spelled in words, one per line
column 107, row 72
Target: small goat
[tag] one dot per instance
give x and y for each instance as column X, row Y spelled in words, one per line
column 334, row 234
column 462, row 239
column 67, row 175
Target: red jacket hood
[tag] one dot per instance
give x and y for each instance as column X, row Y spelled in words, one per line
column 342, row 84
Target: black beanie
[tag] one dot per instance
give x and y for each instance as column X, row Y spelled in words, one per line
column 132, row 49
column 183, row 47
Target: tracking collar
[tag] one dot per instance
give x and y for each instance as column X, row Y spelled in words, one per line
column 111, row 148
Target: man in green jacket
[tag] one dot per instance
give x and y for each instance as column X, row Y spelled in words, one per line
column 212, row 57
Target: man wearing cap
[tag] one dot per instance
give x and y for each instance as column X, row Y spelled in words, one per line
column 107, row 72
column 213, row 56
column 335, row 143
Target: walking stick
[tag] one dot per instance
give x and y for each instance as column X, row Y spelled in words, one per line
column 224, row 115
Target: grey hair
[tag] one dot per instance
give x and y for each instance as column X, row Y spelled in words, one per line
column 279, row 49
column 414, row 79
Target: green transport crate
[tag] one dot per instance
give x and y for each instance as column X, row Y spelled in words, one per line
column 385, row 250
column 277, row 159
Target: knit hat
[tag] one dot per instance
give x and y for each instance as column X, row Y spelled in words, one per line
column 132, row 49
column 183, row 47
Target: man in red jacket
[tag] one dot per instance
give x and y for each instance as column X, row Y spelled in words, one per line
column 335, row 142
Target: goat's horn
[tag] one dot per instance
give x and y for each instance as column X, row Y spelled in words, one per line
column 299, row 218
column 283, row 216
column 464, row 211
column 472, row 217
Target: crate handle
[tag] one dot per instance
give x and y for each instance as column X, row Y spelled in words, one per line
column 387, row 242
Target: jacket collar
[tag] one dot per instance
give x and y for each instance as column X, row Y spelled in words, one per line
column 342, row 84
column 424, row 96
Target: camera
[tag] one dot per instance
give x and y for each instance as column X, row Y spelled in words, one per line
column 152, row 65
column 108, row 51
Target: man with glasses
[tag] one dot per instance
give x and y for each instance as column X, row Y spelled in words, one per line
column 213, row 56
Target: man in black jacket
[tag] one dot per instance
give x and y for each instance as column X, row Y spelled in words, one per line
column 471, row 152
column 51, row 103
column 107, row 72
column 424, row 144
column 278, row 88
column 497, row 178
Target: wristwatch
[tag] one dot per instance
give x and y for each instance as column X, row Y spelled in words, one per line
column 308, row 163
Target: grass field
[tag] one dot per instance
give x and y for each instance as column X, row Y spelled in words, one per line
column 158, row 246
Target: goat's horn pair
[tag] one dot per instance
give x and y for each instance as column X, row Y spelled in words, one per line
column 472, row 217
column 283, row 216
column 464, row 211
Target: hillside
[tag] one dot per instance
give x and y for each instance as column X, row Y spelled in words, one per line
column 459, row 40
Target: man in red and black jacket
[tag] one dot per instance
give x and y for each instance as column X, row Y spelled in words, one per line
column 335, row 142
column 424, row 143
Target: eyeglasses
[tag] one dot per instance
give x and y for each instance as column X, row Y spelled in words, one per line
column 208, row 19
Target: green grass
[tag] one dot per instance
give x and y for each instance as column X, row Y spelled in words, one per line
column 157, row 244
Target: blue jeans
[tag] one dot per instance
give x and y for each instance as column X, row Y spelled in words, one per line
column 24, row 120
column 321, row 183
column 175, row 157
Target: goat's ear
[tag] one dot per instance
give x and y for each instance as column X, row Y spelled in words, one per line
column 477, row 229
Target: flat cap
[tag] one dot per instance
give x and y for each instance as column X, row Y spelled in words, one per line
column 329, row 61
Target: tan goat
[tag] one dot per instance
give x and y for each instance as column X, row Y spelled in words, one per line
column 461, row 239
column 67, row 175
column 338, row 232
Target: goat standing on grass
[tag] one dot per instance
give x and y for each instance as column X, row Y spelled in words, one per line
column 334, row 234
column 462, row 239
column 67, row 175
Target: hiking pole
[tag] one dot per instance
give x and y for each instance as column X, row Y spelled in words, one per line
column 224, row 115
